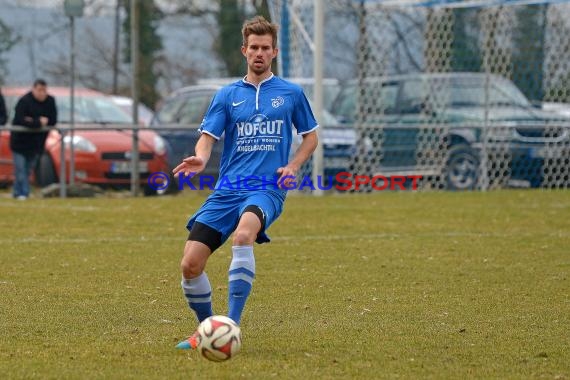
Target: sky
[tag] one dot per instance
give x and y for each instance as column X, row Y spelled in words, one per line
column 45, row 38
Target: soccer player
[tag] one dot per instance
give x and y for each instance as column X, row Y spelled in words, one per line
column 257, row 115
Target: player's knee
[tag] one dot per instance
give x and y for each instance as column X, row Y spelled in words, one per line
column 191, row 268
column 243, row 236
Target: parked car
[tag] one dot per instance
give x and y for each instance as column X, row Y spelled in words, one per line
column 126, row 104
column 102, row 157
column 187, row 106
column 403, row 106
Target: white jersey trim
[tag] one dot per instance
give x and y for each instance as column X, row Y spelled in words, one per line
column 309, row 131
column 257, row 88
column 210, row 133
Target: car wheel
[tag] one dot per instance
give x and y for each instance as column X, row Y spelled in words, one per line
column 462, row 168
column 172, row 188
column 45, row 171
column 149, row 191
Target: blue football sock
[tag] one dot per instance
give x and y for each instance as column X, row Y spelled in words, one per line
column 242, row 272
column 198, row 293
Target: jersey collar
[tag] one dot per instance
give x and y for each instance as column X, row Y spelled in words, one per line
column 257, row 88
column 260, row 83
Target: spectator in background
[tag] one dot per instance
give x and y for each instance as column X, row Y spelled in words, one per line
column 3, row 114
column 34, row 110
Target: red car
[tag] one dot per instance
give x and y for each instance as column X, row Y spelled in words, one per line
column 102, row 157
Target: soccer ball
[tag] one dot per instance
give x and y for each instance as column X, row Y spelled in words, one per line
column 219, row 338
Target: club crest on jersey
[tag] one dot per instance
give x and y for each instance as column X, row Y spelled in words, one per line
column 277, row 102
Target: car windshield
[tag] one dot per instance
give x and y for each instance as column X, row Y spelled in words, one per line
column 470, row 92
column 330, row 91
column 328, row 119
column 91, row 109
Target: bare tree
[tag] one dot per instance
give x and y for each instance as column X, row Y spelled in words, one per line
column 7, row 40
column 94, row 63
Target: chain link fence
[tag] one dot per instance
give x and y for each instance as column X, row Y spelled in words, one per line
column 469, row 95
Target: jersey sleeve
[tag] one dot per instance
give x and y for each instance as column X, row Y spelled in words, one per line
column 214, row 121
column 303, row 117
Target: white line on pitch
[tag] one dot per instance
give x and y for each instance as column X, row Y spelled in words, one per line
column 281, row 238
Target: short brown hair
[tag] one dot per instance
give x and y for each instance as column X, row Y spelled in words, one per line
column 259, row 26
column 40, row 82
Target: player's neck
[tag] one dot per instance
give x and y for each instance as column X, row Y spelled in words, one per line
column 255, row 79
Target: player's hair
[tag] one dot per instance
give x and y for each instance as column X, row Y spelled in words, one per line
column 259, row 26
column 40, row 82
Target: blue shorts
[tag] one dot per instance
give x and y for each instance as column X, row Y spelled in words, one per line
column 223, row 208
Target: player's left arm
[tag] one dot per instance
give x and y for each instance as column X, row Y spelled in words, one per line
column 307, row 147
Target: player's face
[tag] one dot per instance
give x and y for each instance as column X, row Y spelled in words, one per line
column 259, row 53
column 39, row 92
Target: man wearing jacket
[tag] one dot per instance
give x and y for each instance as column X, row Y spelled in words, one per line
column 34, row 110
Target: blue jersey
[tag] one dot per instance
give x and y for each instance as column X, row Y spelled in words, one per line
column 258, row 125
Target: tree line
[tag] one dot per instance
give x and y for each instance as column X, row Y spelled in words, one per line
column 527, row 62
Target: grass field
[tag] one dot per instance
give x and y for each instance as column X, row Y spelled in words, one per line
column 390, row 285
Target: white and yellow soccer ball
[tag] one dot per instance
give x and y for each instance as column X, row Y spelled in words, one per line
column 219, row 338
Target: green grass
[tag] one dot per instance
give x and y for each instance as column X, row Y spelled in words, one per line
column 390, row 285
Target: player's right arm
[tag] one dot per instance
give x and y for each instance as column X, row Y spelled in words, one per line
column 197, row 163
column 211, row 129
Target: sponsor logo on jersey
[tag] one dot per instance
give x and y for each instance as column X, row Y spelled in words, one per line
column 259, row 125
